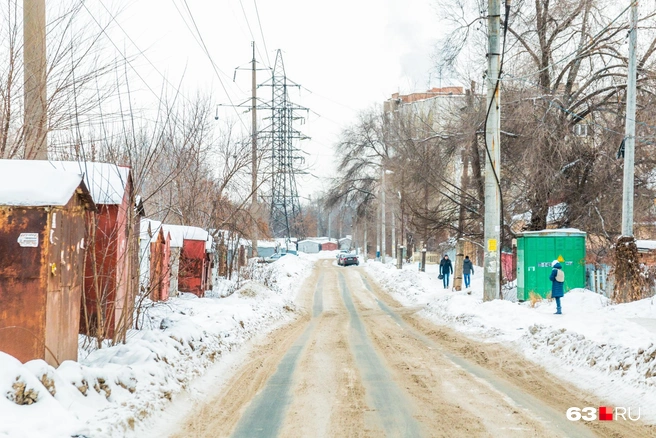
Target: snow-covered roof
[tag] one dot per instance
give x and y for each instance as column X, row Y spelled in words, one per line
column 557, row 231
column 267, row 244
column 30, row 183
column 318, row 242
column 646, row 244
column 181, row 232
column 149, row 229
column 106, row 181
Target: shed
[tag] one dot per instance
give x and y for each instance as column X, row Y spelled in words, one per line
column 194, row 263
column 647, row 252
column 42, row 243
column 309, row 246
column 160, row 265
column 345, row 243
column 266, row 248
column 536, row 250
column 329, row 246
column 110, row 284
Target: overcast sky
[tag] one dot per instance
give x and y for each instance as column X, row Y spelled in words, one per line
column 347, row 54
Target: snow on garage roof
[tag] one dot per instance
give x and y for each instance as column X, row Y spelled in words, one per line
column 181, row 232
column 30, row 183
column 105, row 181
column 646, row 244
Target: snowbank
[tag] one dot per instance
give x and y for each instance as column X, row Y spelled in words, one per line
column 592, row 342
column 110, row 390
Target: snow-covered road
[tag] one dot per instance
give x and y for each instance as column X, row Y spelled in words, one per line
column 359, row 364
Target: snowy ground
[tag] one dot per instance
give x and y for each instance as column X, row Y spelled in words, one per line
column 111, row 390
column 607, row 349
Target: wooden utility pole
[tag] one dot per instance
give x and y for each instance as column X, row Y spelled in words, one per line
column 34, row 73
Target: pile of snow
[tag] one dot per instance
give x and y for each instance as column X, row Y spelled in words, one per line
column 111, row 389
column 592, row 342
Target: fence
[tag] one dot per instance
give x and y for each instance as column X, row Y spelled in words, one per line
column 432, row 258
column 596, row 279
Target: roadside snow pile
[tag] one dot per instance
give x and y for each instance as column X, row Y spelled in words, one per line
column 618, row 342
column 111, row 389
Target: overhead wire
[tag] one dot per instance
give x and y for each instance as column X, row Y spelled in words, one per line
column 259, row 22
column 248, row 24
column 201, row 41
column 141, row 52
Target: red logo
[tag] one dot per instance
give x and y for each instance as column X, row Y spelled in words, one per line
column 605, row 413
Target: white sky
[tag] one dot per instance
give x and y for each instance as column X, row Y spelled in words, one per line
column 350, row 53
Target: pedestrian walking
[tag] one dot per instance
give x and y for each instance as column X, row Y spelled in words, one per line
column 446, row 269
column 557, row 278
column 467, row 271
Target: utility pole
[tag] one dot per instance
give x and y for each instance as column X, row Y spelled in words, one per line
column 254, row 209
column 382, row 215
column 34, row 72
column 364, row 251
column 629, row 133
column 492, row 227
column 464, row 179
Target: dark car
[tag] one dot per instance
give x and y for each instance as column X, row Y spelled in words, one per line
column 348, row 259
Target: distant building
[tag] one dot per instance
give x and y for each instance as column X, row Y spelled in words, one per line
column 345, row 243
column 309, row 246
column 330, row 245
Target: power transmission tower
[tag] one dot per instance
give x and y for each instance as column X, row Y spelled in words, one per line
column 285, row 158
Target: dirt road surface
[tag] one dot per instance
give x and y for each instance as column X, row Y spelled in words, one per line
column 357, row 364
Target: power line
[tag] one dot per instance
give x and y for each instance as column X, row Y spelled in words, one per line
column 266, row 50
column 141, row 52
column 125, row 58
column 201, row 41
column 248, row 24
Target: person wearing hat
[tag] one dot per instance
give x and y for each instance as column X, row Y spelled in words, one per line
column 557, row 278
column 446, row 269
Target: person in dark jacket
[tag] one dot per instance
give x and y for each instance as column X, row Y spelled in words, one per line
column 446, row 269
column 557, row 291
column 467, row 270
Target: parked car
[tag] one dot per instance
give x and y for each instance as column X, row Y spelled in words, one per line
column 273, row 257
column 341, row 252
column 348, row 259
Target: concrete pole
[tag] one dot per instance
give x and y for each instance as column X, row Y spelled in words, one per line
column 364, row 250
column 377, row 234
column 423, row 260
column 629, row 133
column 34, row 72
column 492, row 229
column 460, row 258
column 254, row 208
column 393, row 229
column 383, row 249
